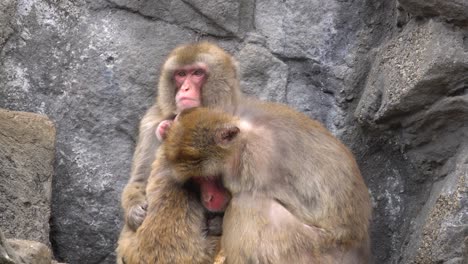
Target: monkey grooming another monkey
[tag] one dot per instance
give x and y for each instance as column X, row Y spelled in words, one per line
column 200, row 74
column 297, row 193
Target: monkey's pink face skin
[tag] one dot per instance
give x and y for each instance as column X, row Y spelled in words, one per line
column 214, row 196
column 189, row 81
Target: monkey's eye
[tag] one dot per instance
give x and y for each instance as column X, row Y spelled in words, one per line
column 198, row 72
column 181, row 73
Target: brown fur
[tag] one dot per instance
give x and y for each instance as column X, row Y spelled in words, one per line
column 221, row 89
column 298, row 196
column 174, row 229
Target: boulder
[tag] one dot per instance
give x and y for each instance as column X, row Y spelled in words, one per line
column 427, row 62
column 31, row 252
column 26, row 168
column 440, row 230
column 7, row 253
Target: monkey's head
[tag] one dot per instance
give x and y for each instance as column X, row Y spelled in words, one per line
column 199, row 143
column 205, row 73
column 198, row 146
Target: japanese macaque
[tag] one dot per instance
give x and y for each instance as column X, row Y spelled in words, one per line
column 297, row 193
column 177, row 228
column 181, row 225
column 200, row 74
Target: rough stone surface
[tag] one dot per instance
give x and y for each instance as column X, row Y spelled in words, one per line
column 451, row 10
column 291, row 29
column 216, row 17
column 26, row 169
column 31, row 252
column 398, row 67
column 443, row 222
column 7, row 11
column 426, row 62
column 417, row 87
column 263, row 74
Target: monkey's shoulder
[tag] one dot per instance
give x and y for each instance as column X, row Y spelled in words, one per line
column 278, row 114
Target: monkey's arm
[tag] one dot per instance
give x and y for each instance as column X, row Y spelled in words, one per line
column 134, row 196
column 134, row 204
column 145, row 151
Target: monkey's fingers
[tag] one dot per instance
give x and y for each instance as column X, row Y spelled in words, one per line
column 136, row 215
column 162, row 129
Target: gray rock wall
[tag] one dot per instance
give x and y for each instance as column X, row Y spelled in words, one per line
column 387, row 77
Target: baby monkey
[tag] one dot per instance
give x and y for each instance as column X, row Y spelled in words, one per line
column 179, row 227
column 297, row 193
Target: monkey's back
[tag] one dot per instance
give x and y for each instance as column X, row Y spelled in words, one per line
column 297, row 195
column 311, row 172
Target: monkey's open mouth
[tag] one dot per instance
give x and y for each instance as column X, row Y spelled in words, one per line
column 213, row 195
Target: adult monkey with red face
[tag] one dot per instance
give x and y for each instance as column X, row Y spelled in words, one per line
column 200, row 74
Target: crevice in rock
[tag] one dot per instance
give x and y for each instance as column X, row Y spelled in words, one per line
column 113, row 5
column 285, row 59
column 459, row 90
column 465, row 42
column 247, row 15
column 102, row 259
column 200, row 35
column 213, row 21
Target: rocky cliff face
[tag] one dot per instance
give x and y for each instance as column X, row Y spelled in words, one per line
column 388, row 77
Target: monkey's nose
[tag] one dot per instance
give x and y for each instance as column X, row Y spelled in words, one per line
column 207, row 197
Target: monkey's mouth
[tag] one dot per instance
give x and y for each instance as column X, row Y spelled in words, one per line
column 187, row 102
column 213, row 195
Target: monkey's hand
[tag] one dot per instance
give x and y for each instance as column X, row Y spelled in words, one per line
column 136, row 214
column 134, row 204
column 162, row 128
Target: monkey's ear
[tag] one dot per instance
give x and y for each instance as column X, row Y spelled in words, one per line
column 226, row 134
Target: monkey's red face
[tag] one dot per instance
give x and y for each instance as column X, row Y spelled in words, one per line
column 214, row 196
column 189, row 81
